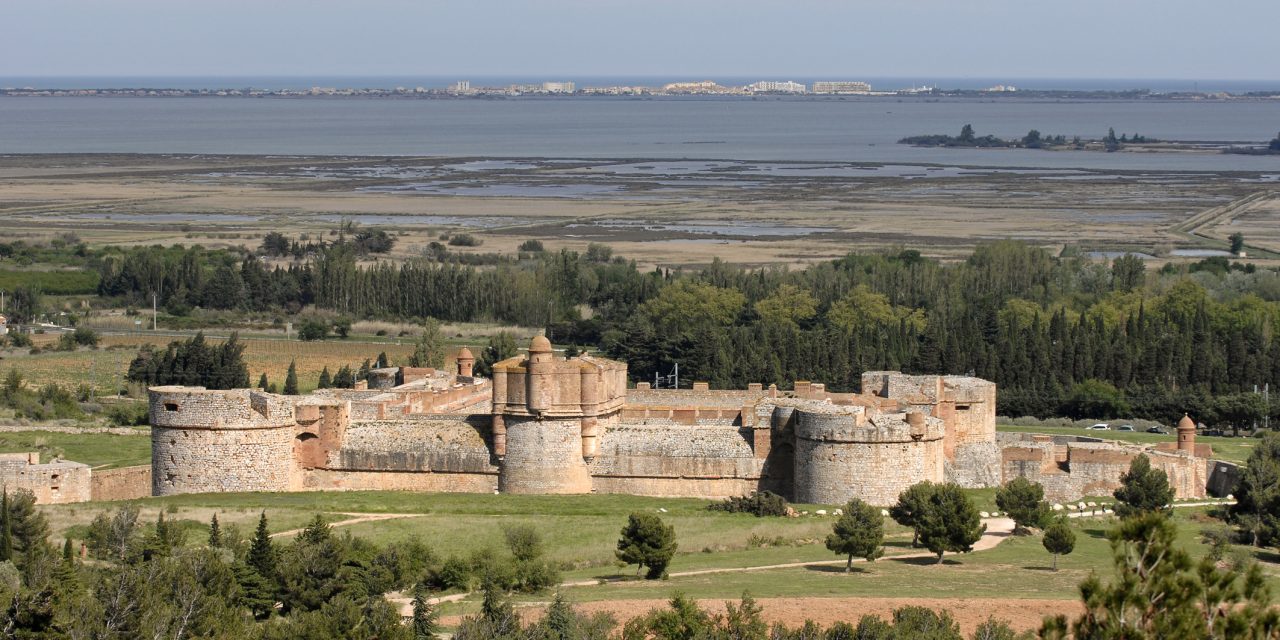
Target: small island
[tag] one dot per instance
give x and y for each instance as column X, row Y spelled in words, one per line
column 1033, row 140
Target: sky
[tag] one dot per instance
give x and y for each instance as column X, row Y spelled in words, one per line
column 1226, row 39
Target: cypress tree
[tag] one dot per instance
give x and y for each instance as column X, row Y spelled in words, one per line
column 6, row 528
column 215, row 532
column 325, row 380
column 262, row 382
column 291, row 380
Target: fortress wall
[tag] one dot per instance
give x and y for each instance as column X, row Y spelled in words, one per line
column 691, row 399
column 677, row 461
column 428, row 444
column 840, row 455
column 125, row 483
column 58, row 482
column 1094, row 469
column 973, row 402
column 975, row 465
column 712, row 488
column 544, row 456
column 375, row 480
column 220, row 460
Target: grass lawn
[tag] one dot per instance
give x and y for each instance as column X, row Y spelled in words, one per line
column 103, row 450
column 1229, row 449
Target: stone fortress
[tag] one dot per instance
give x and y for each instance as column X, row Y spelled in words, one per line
column 545, row 424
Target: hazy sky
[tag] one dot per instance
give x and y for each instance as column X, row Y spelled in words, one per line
column 1224, row 39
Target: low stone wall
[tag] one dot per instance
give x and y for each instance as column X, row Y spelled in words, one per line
column 126, row 483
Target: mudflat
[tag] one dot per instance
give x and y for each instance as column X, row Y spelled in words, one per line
column 669, row 213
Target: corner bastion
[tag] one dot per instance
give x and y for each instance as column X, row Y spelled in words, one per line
column 843, row 452
column 208, row 441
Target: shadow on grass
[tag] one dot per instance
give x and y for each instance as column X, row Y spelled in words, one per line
column 1100, row 534
column 831, row 568
column 1038, row 568
column 900, row 544
column 1264, row 555
column 923, row 561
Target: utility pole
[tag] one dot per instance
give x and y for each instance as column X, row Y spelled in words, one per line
column 677, row 374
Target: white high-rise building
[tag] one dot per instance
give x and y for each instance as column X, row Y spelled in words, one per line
column 841, row 86
column 461, row 86
column 559, row 87
column 772, row 86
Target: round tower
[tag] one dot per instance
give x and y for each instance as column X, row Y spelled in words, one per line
column 1187, row 434
column 842, row 453
column 218, row 441
column 466, row 363
column 544, row 442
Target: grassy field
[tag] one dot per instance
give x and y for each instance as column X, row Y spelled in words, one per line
column 1229, row 449
column 104, row 368
column 98, row 450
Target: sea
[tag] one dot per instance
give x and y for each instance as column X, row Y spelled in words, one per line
column 835, row 129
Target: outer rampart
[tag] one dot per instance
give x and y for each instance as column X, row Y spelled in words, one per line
column 841, row 454
column 56, row 482
column 125, row 483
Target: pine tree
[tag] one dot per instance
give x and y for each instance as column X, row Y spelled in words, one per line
column 950, row 522
column 262, row 552
column 858, row 533
column 647, row 542
column 1024, row 502
column 1059, row 539
column 291, row 380
column 424, row 616
column 1143, row 489
column 325, row 381
column 215, row 533
column 383, row 363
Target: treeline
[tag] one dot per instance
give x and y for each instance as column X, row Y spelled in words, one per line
column 1033, row 140
column 1061, row 336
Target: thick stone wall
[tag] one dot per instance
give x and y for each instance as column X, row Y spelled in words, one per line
column 437, row 445
column 1069, row 472
column 840, row 454
column 544, row 456
column 709, row 462
column 125, row 483
column 57, row 482
column 975, row 465
column 711, row 488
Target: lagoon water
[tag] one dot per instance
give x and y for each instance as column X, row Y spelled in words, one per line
column 853, row 129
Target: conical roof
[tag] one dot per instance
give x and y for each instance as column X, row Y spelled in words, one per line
column 1186, row 423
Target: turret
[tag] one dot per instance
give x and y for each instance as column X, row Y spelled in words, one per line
column 1187, row 434
column 541, row 368
column 466, row 363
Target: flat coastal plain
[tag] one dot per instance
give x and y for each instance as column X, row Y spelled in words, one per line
column 669, row 213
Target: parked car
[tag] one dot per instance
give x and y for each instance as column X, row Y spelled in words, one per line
column 1125, row 427
column 1159, row 430
column 1101, row 426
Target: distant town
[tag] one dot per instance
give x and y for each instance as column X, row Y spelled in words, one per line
column 465, row 89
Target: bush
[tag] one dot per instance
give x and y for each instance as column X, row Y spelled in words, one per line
column 532, row 246
column 760, row 504
column 127, row 414
column 464, row 240
column 313, row 329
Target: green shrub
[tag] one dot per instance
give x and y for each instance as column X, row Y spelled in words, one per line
column 760, row 504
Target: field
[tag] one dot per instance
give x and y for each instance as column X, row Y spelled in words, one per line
column 579, row 532
column 1229, row 449
column 104, row 368
column 664, row 213
column 98, row 450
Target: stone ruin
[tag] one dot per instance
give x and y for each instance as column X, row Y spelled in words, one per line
column 547, row 424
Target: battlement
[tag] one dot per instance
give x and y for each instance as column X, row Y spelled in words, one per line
column 179, row 407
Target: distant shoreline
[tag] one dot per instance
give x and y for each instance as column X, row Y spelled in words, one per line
column 647, row 94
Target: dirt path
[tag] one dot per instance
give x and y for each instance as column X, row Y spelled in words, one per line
column 356, row 518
